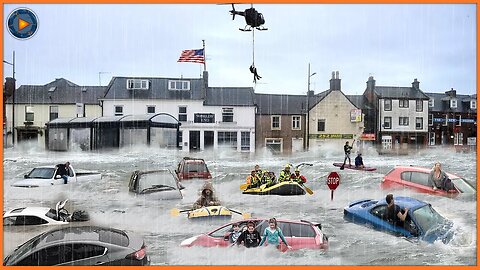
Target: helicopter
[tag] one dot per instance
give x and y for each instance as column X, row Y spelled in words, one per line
column 253, row 18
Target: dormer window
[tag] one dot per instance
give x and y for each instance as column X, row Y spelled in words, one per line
column 431, row 103
column 179, row 85
column 137, row 84
column 52, row 89
column 453, row 103
column 473, row 104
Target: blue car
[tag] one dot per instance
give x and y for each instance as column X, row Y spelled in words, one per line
column 422, row 221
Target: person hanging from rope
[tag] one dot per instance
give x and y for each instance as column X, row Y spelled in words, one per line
column 253, row 70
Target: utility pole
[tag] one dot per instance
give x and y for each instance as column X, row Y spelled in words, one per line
column 307, row 128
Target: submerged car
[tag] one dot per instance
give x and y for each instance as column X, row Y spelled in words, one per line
column 417, row 178
column 88, row 245
column 422, row 221
column 157, row 184
column 48, row 176
column 299, row 234
column 190, row 168
column 27, row 216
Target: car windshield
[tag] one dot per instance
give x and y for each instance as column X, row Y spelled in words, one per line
column 463, row 185
column 24, row 248
column 43, row 173
column 195, row 167
column 157, row 180
column 426, row 218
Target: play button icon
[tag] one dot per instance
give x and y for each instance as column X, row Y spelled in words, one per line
column 22, row 23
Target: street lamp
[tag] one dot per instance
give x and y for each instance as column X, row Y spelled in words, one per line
column 307, row 129
column 13, row 98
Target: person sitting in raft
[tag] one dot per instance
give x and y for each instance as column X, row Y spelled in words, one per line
column 207, row 198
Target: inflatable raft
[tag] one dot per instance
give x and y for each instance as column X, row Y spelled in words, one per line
column 287, row 188
column 210, row 212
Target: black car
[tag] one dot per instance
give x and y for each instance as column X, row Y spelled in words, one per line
column 87, row 245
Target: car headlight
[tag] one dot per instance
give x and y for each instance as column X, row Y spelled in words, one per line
column 188, row 242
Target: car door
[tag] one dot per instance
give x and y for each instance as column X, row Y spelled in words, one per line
column 89, row 254
column 285, row 227
column 303, row 236
column 419, row 181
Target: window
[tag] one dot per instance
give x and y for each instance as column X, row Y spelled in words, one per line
column 458, row 138
column 53, row 112
column 29, row 114
column 387, row 104
column 227, row 115
column 118, row 110
column 419, row 178
column 285, row 227
column 80, row 109
column 227, row 139
column 150, row 109
column 178, row 85
column 302, row 230
column 380, row 211
column 419, row 105
column 405, row 176
column 137, row 84
column 84, row 251
column 296, row 122
column 403, row 121
column 321, row 125
column 473, row 104
column 274, row 145
column 430, row 119
column 387, row 122
column 445, row 123
column 182, row 114
column 418, row 122
column 276, row 122
column 403, row 103
column 431, row 103
column 245, row 141
column 453, row 103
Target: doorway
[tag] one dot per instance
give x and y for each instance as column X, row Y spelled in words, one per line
column 208, row 139
column 194, row 140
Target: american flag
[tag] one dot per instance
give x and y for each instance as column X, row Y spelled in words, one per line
column 193, row 56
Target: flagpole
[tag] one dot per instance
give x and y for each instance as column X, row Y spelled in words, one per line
column 204, row 56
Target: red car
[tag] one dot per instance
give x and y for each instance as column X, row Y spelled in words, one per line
column 299, row 234
column 417, row 178
column 189, row 168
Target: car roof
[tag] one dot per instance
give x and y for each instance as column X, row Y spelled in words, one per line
column 189, row 159
column 79, row 233
column 256, row 220
column 421, row 169
column 27, row 211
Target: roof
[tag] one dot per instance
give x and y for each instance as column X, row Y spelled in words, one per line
column 60, row 91
column 360, row 101
column 29, row 211
column 229, row 96
column 314, row 100
column 396, row 92
column 441, row 103
column 158, row 89
column 280, row 104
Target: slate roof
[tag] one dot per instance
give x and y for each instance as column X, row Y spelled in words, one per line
column 314, row 100
column 229, row 96
column 360, row 101
column 441, row 103
column 158, row 89
column 269, row 104
column 60, row 91
column 396, row 92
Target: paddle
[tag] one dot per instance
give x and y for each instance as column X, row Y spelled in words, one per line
column 174, row 211
column 244, row 215
column 243, row 186
column 309, row 191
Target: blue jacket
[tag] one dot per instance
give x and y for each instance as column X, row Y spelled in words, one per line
column 272, row 237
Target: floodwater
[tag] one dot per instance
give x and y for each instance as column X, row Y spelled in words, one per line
column 110, row 204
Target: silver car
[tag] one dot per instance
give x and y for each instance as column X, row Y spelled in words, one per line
column 87, row 245
column 157, row 184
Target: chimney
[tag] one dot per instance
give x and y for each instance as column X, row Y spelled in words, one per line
column 451, row 93
column 205, row 84
column 370, row 84
column 335, row 82
column 416, row 84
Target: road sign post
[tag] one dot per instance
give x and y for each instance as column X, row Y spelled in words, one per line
column 333, row 180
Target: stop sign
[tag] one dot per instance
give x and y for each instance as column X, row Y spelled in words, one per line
column 333, row 180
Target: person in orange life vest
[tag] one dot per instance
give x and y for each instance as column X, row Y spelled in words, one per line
column 297, row 177
column 252, row 180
